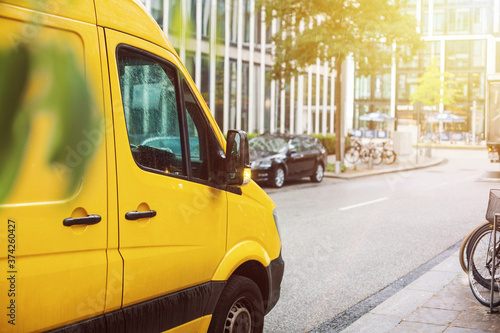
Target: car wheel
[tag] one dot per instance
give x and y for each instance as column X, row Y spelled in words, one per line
column 279, row 177
column 240, row 308
column 318, row 174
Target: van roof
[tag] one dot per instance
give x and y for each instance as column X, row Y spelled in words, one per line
column 128, row 16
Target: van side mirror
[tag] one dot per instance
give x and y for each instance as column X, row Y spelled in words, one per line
column 237, row 158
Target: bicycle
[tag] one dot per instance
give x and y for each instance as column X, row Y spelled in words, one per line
column 480, row 269
column 388, row 154
column 370, row 152
column 481, row 255
column 352, row 152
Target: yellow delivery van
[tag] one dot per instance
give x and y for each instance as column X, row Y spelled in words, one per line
column 123, row 209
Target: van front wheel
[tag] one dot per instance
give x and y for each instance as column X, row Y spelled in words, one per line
column 240, row 308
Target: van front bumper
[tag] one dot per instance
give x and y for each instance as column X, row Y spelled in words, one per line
column 275, row 272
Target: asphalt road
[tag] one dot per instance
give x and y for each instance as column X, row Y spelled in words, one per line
column 345, row 240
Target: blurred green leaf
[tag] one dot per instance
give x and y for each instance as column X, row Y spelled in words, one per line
column 71, row 102
column 14, row 124
column 64, row 94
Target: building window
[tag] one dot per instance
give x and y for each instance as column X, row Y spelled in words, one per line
column 221, row 20
column 462, row 80
column 174, row 17
column 480, row 21
column 190, row 63
column 386, row 86
column 478, row 86
column 206, row 18
column 219, row 92
column 425, row 22
column 157, row 11
column 438, row 22
column 377, row 93
column 362, row 87
column 431, row 53
column 478, row 53
column 498, row 57
column 407, row 83
column 246, row 27
column 458, row 20
column 457, row 54
column 234, row 21
column 205, row 78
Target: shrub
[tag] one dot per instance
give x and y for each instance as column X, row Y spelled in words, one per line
column 328, row 142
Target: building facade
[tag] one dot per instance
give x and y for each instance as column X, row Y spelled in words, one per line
column 461, row 37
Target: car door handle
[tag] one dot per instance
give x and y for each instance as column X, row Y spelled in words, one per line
column 135, row 215
column 89, row 220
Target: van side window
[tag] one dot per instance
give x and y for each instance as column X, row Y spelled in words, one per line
column 203, row 145
column 151, row 112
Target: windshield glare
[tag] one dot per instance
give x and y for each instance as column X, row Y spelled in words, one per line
column 268, row 144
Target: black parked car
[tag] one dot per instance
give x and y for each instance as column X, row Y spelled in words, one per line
column 277, row 157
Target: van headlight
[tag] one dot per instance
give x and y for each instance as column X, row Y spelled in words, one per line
column 275, row 216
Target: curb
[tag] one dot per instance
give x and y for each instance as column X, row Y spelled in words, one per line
column 373, row 172
column 451, row 146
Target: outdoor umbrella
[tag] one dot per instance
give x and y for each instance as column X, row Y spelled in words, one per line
column 445, row 117
column 377, row 116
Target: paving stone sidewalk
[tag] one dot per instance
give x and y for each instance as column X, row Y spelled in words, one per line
column 438, row 301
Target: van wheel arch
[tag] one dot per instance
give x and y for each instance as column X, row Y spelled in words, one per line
column 258, row 274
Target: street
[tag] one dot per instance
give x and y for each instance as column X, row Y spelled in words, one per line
column 345, row 240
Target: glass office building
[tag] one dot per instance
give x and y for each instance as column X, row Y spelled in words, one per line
column 461, row 37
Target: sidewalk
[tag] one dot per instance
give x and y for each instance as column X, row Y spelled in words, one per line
column 438, row 301
column 403, row 163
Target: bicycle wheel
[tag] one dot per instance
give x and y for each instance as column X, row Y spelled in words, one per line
column 480, row 269
column 364, row 155
column 481, row 232
column 389, row 156
column 376, row 156
column 351, row 154
column 465, row 249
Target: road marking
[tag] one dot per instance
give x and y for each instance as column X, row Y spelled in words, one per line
column 438, row 185
column 364, row 203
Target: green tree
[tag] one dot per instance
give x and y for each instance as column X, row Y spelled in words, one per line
column 435, row 87
column 371, row 31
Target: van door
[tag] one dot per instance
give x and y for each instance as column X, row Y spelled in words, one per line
column 55, row 267
column 172, row 220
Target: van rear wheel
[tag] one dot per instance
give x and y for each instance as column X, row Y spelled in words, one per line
column 240, row 308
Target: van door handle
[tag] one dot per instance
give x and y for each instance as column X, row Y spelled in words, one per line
column 135, row 215
column 89, row 220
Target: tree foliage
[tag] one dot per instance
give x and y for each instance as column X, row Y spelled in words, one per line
column 327, row 29
column 430, row 86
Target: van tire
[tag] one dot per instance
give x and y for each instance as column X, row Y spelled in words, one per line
column 240, row 306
